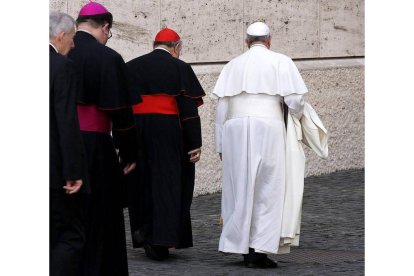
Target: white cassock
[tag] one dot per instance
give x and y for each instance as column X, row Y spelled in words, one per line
column 251, row 135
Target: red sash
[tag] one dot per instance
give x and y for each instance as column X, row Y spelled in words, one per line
column 160, row 104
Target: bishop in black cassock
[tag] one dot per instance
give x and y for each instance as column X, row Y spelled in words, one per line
column 106, row 123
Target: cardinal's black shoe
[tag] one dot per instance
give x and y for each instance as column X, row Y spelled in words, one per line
column 138, row 237
column 162, row 251
column 156, row 252
column 152, row 252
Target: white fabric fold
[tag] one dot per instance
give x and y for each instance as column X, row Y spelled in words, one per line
column 221, row 114
column 310, row 129
column 294, row 184
column 315, row 134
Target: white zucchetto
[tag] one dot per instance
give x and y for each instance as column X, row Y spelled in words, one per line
column 258, row 29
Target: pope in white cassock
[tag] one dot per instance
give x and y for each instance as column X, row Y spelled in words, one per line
column 251, row 140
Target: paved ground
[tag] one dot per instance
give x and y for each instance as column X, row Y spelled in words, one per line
column 332, row 236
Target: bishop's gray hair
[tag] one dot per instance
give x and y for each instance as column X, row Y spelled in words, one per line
column 60, row 22
column 251, row 38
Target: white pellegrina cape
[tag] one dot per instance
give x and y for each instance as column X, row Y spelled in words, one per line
column 259, row 70
column 257, row 165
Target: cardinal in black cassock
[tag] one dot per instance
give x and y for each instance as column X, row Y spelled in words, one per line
column 169, row 140
column 104, row 108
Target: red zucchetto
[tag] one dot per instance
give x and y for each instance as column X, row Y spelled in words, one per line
column 167, row 35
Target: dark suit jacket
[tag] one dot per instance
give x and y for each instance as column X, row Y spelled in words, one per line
column 67, row 157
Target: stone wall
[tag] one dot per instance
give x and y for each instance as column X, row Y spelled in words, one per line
column 324, row 37
column 214, row 30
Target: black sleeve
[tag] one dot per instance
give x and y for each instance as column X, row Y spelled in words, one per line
column 124, row 133
column 70, row 140
column 191, row 86
column 190, row 122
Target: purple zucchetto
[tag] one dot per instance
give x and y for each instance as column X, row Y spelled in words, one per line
column 92, row 8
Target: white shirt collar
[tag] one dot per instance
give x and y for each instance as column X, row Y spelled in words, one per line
column 54, row 47
column 162, row 48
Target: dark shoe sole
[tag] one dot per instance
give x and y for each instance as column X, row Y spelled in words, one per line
column 265, row 263
column 268, row 263
column 163, row 252
column 151, row 253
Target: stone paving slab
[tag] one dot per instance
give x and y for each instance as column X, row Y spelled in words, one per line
column 332, row 236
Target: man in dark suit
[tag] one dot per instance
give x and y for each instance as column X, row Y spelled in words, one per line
column 68, row 181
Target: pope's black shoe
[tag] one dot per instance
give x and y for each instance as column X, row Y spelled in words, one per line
column 263, row 263
column 258, row 260
column 268, row 263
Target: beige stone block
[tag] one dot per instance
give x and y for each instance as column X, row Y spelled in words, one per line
column 337, row 95
column 342, row 28
column 293, row 25
column 208, row 169
column 135, row 27
column 58, row 5
column 75, row 6
column 212, row 30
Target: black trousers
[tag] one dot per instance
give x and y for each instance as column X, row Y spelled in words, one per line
column 67, row 233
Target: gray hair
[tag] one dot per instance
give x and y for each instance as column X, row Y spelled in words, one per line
column 168, row 44
column 251, row 38
column 60, row 22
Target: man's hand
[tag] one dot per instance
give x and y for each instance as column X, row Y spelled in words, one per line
column 129, row 167
column 195, row 155
column 73, row 186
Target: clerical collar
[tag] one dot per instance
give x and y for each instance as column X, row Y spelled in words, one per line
column 258, row 44
column 82, row 30
column 54, row 47
column 162, row 48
